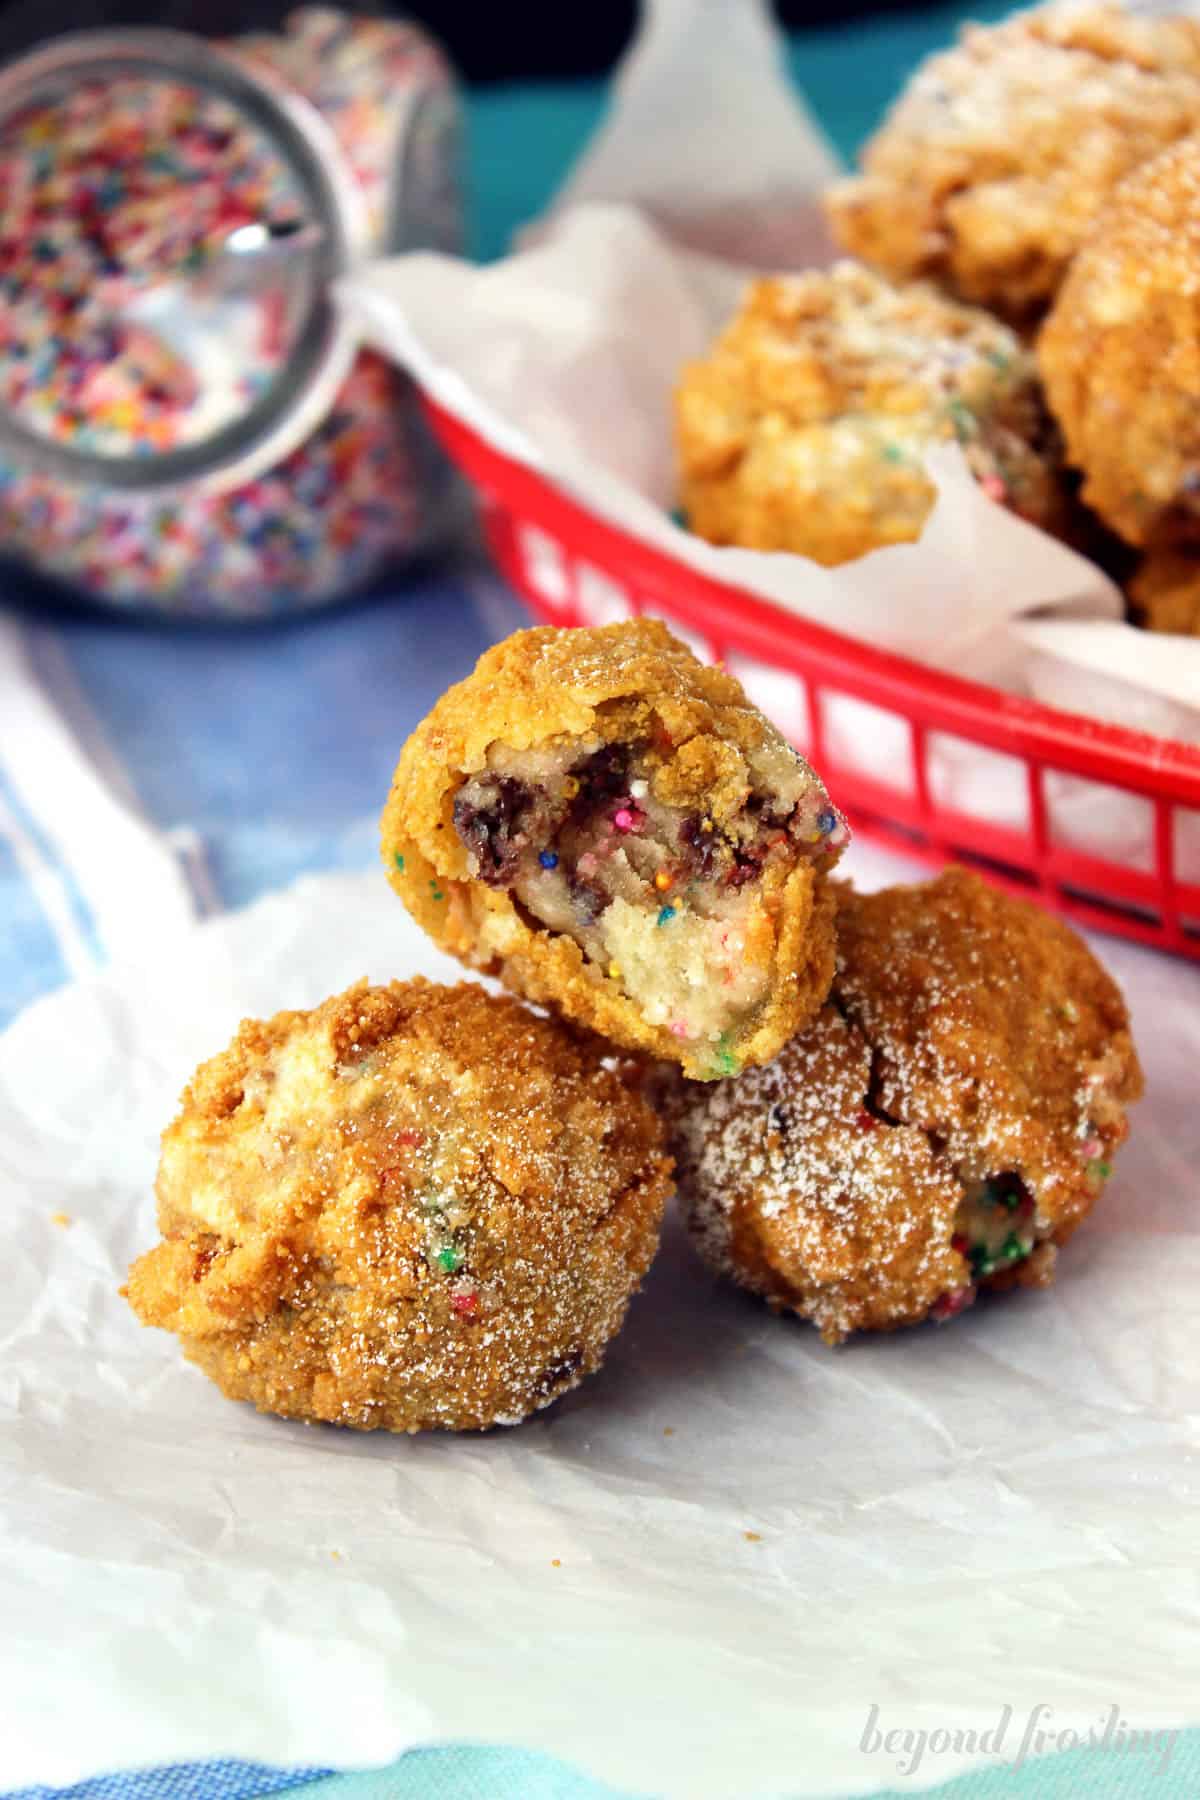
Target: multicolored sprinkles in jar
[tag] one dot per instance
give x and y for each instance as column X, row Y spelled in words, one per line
column 125, row 192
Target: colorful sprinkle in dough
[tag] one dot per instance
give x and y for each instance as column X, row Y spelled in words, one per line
column 1004, row 151
column 554, row 875
column 921, row 1135
column 1121, row 327
column 398, row 860
column 306, row 1286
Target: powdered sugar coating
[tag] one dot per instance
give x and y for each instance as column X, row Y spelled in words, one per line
column 969, row 1037
column 548, row 703
column 412, row 1207
column 805, row 1198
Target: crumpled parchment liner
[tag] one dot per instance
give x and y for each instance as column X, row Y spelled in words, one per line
column 999, row 1511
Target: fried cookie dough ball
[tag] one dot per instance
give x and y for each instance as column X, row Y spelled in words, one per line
column 614, row 830
column 990, row 169
column 1120, row 355
column 804, row 427
column 1165, row 592
column 943, row 1124
column 412, row 1207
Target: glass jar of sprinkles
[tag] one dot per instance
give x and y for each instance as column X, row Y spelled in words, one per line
column 187, row 421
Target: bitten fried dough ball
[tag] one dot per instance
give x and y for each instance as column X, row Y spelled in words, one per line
column 943, row 1124
column 1120, row 355
column 614, row 830
column 1165, row 592
column 805, row 426
column 412, row 1207
column 990, row 170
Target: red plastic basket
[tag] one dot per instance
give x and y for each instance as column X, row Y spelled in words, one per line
column 573, row 568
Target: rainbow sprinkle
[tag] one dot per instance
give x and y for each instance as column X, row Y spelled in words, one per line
column 399, row 861
column 666, row 914
column 548, row 859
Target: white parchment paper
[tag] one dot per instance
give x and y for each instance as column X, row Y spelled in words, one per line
column 997, row 1512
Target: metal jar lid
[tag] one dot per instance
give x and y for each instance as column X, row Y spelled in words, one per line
column 193, row 311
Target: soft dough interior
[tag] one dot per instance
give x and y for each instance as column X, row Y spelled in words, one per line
column 665, row 899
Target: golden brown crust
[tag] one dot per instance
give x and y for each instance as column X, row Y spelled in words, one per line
column 991, row 168
column 805, row 426
column 995, row 1027
column 1165, row 592
column 412, row 1207
column 1120, row 355
column 970, row 1038
column 616, row 684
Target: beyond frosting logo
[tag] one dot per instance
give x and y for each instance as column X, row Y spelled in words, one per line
column 1013, row 1740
